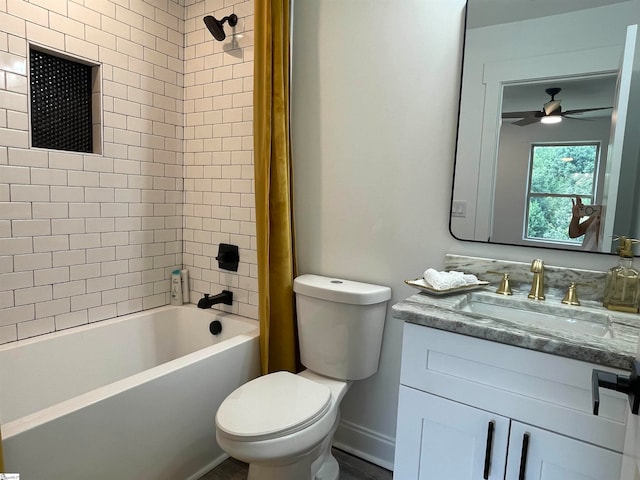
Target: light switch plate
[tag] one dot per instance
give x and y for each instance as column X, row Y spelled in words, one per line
column 459, row 208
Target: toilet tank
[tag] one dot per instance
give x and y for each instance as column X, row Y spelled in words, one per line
column 340, row 325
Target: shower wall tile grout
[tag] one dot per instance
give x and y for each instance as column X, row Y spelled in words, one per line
column 87, row 237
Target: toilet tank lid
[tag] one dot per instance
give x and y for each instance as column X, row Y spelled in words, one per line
column 340, row 290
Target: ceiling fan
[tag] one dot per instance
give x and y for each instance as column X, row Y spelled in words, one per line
column 549, row 110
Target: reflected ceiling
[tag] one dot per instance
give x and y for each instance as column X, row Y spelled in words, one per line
column 492, row 12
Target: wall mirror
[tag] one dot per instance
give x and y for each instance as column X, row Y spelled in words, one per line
column 549, row 117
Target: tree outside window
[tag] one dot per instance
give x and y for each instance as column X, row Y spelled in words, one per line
column 557, row 174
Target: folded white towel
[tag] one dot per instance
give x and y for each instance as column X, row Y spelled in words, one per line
column 448, row 280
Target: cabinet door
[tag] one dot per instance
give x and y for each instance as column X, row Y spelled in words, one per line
column 438, row 439
column 536, row 454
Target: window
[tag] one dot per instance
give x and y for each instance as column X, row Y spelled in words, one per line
column 557, row 174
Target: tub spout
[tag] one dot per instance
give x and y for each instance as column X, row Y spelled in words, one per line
column 209, row 301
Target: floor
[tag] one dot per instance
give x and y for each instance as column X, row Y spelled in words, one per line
column 351, row 468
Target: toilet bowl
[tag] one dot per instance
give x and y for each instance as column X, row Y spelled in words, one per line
column 278, row 424
column 283, row 424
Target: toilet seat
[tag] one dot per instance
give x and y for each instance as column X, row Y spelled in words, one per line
column 272, row 406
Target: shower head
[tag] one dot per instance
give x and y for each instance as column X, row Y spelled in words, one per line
column 215, row 26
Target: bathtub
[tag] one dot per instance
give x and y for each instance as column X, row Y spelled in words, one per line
column 129, row 398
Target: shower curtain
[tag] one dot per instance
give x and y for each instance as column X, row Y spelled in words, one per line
column 273, row 187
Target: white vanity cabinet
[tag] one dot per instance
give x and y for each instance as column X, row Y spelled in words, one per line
column 467, row 407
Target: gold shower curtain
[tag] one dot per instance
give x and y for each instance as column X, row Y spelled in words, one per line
column 273, row 177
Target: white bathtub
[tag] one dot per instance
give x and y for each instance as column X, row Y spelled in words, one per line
column 129, row 398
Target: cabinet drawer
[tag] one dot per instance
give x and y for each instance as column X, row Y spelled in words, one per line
column 541, row 389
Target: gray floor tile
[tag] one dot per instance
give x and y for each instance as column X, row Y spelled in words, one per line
column 351, row 468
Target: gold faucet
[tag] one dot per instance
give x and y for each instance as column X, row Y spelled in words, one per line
column 537, row 286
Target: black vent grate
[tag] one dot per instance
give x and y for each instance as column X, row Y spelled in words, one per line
column 60, row 103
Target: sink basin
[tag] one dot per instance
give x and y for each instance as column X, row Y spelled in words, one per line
column 529, row 312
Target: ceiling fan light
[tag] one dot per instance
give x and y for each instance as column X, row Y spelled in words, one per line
column 549, row 119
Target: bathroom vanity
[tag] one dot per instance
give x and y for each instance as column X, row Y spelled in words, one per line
column 485, row 397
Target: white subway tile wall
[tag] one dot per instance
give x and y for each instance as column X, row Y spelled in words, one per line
column 219, row 200
column 84, row 237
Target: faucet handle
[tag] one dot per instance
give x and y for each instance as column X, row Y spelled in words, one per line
column 504, row 288
column 571, row 297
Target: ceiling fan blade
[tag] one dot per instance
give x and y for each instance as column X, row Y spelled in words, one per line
column 529, row 113
column 564, row 115
column 526, row 121
column 583, row 110
column 551, row 106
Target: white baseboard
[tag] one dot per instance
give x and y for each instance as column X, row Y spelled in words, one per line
column 366, row 444
column 210, row 466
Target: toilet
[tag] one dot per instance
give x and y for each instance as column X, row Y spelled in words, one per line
column 283, row 424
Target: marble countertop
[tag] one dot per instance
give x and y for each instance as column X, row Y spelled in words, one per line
column 617, row 349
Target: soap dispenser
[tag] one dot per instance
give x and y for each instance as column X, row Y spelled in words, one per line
column 621, row 288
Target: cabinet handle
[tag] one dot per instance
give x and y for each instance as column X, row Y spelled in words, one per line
column 523, row 455
column 487, row 452
column 620, row 383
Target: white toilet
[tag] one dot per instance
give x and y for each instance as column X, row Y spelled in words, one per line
column 282, row 424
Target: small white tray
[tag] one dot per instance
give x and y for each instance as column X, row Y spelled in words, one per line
column 423, row 286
